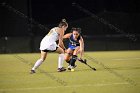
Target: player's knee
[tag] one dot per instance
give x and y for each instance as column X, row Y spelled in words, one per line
column 69, row 54
column 75, row 53
column 74, row 58
column 61, row 51
column 42, row 59
column 66, row 58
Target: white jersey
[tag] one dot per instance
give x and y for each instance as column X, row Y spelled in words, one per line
column 49, row 41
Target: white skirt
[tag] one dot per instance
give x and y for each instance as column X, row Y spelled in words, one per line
column 47, row 45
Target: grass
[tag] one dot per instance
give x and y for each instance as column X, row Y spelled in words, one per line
column 117, row 72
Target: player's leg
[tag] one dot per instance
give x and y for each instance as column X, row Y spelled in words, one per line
column 74, row 56
column 60, row 59
column 39, row 61
column 68, row 55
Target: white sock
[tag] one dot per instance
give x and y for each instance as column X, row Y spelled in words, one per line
column 37, row 64
column 60, row 60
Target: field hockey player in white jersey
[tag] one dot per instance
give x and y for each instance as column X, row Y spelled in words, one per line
column 48, row 44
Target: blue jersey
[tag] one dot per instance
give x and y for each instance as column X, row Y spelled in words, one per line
column 74, row 43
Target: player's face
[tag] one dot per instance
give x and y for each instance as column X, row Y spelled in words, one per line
column 75, row 34
column 65, row 28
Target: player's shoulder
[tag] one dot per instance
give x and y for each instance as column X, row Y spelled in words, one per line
column 58, row 29
column 54, row 28
column 67, row 35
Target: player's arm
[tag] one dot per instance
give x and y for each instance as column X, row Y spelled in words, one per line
column 60, row 43
column 81, row 41
column 67, row 35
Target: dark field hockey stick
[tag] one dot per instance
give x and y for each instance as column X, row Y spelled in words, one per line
column 85, row 62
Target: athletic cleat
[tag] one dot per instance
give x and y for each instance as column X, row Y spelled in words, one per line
column 61, row 69
column 71, row 67
column 32, row 72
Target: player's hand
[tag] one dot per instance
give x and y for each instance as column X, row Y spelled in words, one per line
column 65, row 50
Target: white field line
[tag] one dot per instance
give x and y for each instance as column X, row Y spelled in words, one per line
column 55, row 87
column 137, row 58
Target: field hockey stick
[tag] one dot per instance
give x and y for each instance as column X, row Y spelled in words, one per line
column 85, row 62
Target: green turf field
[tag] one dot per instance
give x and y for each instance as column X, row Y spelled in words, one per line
column 117, row 72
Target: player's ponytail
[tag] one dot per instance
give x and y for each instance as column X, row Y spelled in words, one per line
column 63, row 20
column 63, row 23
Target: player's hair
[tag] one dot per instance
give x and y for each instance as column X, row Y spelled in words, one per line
column 76, row 29
column 63, row 23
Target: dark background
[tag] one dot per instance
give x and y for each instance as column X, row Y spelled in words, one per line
column 16, row 24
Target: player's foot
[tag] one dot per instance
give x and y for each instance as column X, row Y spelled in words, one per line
column 71, row 67
column 61, row 69
column 32, row 72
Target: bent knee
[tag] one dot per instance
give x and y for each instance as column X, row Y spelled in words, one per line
column 67, row 58
column 42, row 59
